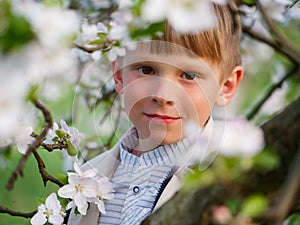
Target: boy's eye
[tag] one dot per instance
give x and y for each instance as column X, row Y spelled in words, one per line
column 146, row 70
column 189, row 75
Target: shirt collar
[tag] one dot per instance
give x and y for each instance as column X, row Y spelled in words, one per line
column 172, row 154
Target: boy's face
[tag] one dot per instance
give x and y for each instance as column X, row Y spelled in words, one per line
column 164, row 93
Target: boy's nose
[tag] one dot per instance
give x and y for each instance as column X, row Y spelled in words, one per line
column 163, row 91
column 162, row 100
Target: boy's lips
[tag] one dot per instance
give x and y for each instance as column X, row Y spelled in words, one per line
column 162, row 119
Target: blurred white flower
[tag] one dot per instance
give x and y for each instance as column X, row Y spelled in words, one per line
column 222, row 215
column 54, row 26
column 23, row 138
column 241, row 138
column 115, row 52
column 184, row 16
column 294, row 12
column 119, row 24
column 276, row 9
column 255, row 53
column 90, row 31
column 51, row 211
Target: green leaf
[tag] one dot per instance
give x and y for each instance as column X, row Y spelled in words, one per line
column 60, row 133
column 266, row 160
column 63, row 178
column 234, row 204
column 15, row 30
column 40, row 200
column 249, row 2
column 254, row 206
column 53, row 2
column 198, row 179
column 33, row 92
column 151, row 30
column 71, row 149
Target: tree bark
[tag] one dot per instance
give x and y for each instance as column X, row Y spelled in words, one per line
column 281, row 185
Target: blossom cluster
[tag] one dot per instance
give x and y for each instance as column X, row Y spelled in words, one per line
column 85, row 188
column 68, row 137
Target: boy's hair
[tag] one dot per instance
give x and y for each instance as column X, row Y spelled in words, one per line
column 220, row 45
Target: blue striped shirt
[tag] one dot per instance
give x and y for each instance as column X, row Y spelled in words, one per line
column 137, row 180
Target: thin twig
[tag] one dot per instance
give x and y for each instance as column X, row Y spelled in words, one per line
column 280, row 38
column 106, row 46
column 270, row 91
column 281, row 48
column 45, row 175
column 38, row 140
column 11, row 212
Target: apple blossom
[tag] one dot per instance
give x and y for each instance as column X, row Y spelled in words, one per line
column 115, row 52
column 23, row 138
column 64, row 135
column 241, row 138
column 51, row 211
column 86, row 187
column 105, row 192
column 184, row 16
column 79, row 190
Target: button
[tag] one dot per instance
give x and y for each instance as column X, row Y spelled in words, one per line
column 136, row 189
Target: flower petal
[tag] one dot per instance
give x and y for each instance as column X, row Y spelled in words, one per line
column 77, row 169
column 70, row 205
column 38, row 219
column 52, row 202
column 83, row 209
column 56, row 219
column 74, row 179
column 90, row 188
column 67, row 191
column 101, row 206
column 80, row 200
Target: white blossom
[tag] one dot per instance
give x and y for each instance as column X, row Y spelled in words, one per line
column 86, row 187
column 184, row 16
column 241, row 138
column 51, row 211
column 23, row 138
column 79, row 189
column 276, row 9
column 71, row 133
column 104, row 192
column 54, row 26
column 115, row 52
column 90, row 31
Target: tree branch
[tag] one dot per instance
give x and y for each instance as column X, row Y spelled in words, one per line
column 280, row 38
column 270, row 91
column 38, row 140
column 11, row 212
column 283, row 49
column 104, row 47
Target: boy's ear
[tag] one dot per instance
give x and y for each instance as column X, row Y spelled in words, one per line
column 117, row 77
column 229, row 86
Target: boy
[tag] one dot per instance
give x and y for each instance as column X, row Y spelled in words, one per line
column 168, row 84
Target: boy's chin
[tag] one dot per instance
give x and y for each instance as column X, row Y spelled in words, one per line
column 156, row 139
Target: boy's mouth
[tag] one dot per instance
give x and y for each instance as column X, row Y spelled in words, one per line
column 162, row 119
